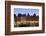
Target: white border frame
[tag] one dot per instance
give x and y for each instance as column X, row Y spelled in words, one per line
column 25, row 28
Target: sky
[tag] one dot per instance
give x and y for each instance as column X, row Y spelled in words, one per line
column 26, row 11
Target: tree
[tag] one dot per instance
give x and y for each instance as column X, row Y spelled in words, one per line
column 24, row 15
column 34, row 15
column 15, row 15
column 19, row 15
